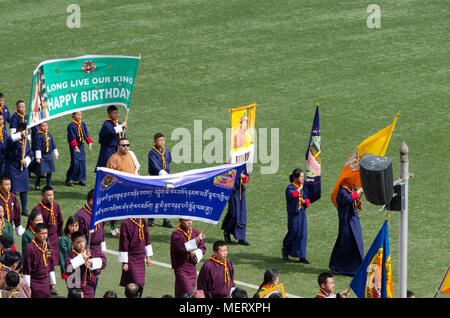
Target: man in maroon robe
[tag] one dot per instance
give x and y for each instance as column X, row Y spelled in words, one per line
column 216, row 277
column 10, row 204
column 84, row 216
column 186, row 250
column 135, row 249
column 53, row 219
column 78, row 261
column 38, row 267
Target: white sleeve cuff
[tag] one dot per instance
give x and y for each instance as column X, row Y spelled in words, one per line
column 190, row 245
column 103, row 246
column 20, row 230
column 198, row 254
column 123, row 257
column 77, row 261
column 163, row 172
column 27, row 160
column 27, row 279
column 149, row 250
column 96, row 263
column 118, row 129
column 38, row 154
column 15, row 136
column 52, row 278
column 55, row 152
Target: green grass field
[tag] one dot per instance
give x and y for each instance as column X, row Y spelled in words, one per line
column 200, row 58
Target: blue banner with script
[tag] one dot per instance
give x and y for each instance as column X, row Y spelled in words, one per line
column 199, row 194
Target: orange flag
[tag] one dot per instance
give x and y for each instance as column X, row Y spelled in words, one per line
column 376, row 145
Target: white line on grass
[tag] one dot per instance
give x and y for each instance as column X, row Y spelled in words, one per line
column 236, row 281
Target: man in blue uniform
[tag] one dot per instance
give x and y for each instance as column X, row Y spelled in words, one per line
column 294, row 243
column 159, row 159
column 45, row 150
column 348, row 251
column 18, row 158
column 77, row 136
column 235, row 221
column 4, row 109
column 3, row 137
column 109, row 135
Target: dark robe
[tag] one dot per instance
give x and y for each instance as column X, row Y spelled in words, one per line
column 133, row 250
column 348, row 251
column 294, row 243
column 184, row 266
column 77, row 168
column 55, row 231
column 13, row 208
column 108, row 139
column 78, row 277
column 6, row 113
column 47, row 164
column 211, row 279
column 3, row 138
column 19, row 178
column 235, row 221
column 155, row 162
column 16, row 118
column 34, row 266
column 84, row 216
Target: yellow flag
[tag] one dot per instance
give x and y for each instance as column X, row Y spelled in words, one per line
column 376, row 145
column 446, row 284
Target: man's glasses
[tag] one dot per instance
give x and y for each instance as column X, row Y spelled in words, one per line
column 125, row 145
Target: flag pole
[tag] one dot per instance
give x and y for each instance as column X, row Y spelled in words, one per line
column 441, row 283
column 403, row 225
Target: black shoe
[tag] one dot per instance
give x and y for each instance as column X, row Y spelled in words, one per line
column 243, row 242
column 304, row 261
column 54, row 292
column 82, row 183
column 69, row 183
column 167, row 223
column 25, row 213
column 284, row 254
column 227, row 237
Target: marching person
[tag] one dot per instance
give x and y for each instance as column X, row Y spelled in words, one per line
column 77, row 136
column 111, row 132
column 65, row 243
column 159, row 159
column 4, row 109
column 216, row 277
column 45, row 149
column 18, row 158
column 186, row 251
column 122, row 160
column 53, row 219
column 294, row 243
column 10, row 204
column 34, row 218
column 348, row 250
column 135, row 250
column 271, row 277
column 326, row 284
column 38, row 268
column 3, row 137
column 235, row 221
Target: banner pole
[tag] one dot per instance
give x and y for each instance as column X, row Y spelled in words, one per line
column 207, row 226
column 441, row 283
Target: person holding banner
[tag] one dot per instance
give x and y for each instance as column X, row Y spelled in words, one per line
column 159, row 159
column 77, row 136
column 44, row 152
column 19, row 116
column 348, row 250
column 294, row 243
column 235, row 221
column 109, row 135
column 186, row 250
column 135, row 250
column 123, row 160
column 216, row 277
column 18, row 158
